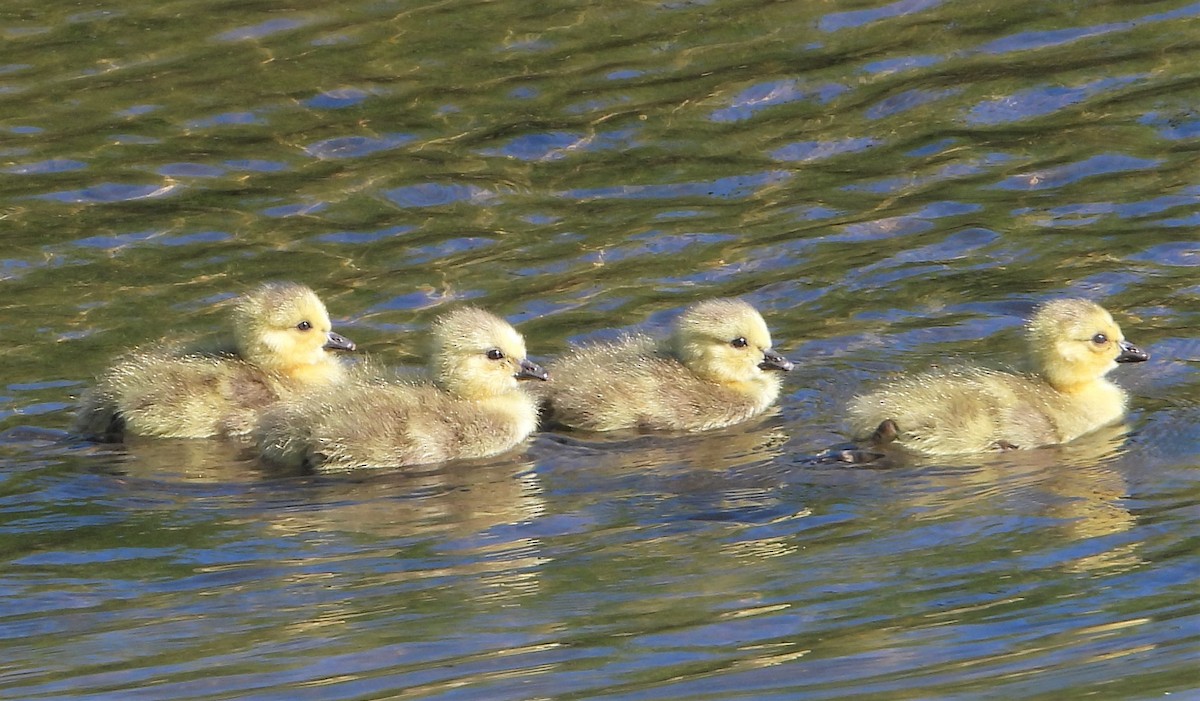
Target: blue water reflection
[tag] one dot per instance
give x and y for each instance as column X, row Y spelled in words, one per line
column 262, row 30
column 356, row 146
column 836, row 21
column 112, row 192
column 56, row 165
column 747, row 103
column 817, row 150
column 736, row 187
column 1094, row 166
column 1036, row 102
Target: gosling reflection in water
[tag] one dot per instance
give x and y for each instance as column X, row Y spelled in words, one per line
column 1070, row 493
column 279, row 348
column 450, row 499
column 717, row 369
column 1073, row 344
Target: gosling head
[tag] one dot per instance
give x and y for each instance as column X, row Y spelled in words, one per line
column 1075, row 342
column 477, row 355
column 725, row 341
column 283, row 327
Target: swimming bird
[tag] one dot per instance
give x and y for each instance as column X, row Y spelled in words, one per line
column 1072, row 343
column 280, row 343
column 716, row 369
column 469, row 405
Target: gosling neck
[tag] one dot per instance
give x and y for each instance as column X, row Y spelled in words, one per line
column 1070, row 382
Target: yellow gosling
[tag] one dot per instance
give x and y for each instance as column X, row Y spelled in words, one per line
column 1072, row 343
column 471, row 406
column 281, row 338
column 716, row 369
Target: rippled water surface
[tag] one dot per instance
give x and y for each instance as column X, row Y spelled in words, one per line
column 894, row 184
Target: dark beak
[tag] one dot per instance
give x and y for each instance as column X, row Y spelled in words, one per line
column 529, row 370
column 337, row 342
column 775, row 361
column 1131, row 353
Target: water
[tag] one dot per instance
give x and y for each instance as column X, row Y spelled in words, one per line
column 893, row 184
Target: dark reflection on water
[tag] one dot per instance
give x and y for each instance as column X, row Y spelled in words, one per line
column 894, row 184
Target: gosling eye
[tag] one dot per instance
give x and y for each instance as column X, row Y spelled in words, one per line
column 1099, row 339
column 304, row 326
column 739, row 342
column 495, row 354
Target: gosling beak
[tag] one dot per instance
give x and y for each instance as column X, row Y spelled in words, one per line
column 338, row 342
column 775, row 361
column 1131, row 353
column 529, row 370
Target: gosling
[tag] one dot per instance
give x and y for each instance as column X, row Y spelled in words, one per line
column 1073, row 344
column 281, row 338
column 469, row 406
column 716, row 369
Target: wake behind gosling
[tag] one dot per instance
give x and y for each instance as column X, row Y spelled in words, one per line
column 469, row 405
column 1072, row 345
column 280, row 343
column 717, row 369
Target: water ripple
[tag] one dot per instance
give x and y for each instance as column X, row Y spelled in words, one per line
column 359, row 237
column 1036, row 102
column 1102, row 164
column 1025, row 41
column 54, row 165
column 747, row 103
column 117, row 241
column 804, row 151
column 836, row 21
column 903, row 63
column 338, row 99
column 299, row 209
column 1173, row 254
column 190, row 170
column 557, row 145
column 112, row 192
column 907, row 100
column 262, row 30
column 1174, row 127
column 228, row 119
column 735, row 187
column 356, row 146
column 257, row 166
column 438, row 195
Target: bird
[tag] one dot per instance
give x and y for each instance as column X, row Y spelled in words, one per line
column 279, row 346
column 716, row 369
column 467, row 404
column 1072, row 344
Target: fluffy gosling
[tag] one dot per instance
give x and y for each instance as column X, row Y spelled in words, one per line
column 1073, row 344
column 716, row 369
column 471, row 406
column 281, row 338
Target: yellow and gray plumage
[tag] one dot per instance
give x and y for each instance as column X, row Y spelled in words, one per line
column 281, row 338
column 717, row 368
column 470, row 405
column 1072, row 343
